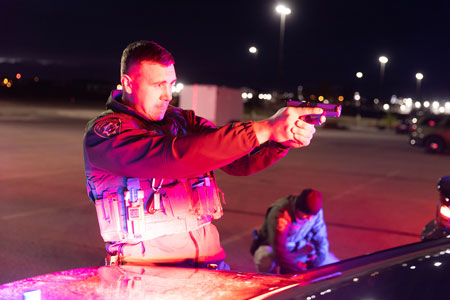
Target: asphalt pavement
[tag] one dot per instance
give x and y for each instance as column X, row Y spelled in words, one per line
column 378, row 191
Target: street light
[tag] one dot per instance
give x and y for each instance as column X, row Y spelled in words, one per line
column 283, row 11
column 383, row 61
column 359, row 75
column 419, row 77
column 253, row 50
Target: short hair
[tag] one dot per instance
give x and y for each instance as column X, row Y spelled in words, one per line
column 139, row 51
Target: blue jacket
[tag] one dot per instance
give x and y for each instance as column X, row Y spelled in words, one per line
column 288, row 235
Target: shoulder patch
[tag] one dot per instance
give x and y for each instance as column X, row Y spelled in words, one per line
column 282, row 223
column 108, row 127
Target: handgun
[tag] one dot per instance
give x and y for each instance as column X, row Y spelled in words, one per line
column 329, row 110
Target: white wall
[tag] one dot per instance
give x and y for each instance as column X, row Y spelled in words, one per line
column 220, row 105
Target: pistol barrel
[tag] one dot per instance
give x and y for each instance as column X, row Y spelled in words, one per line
column 329, row 110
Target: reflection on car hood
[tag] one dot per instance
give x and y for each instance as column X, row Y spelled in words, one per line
column 142, row 282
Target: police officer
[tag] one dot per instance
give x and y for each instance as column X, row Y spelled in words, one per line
column 149, row 165
column 293, row 236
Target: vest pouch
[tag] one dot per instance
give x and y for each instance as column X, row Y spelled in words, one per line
column 126, row 222
column 109, row 218
column 219, row 198
column 175, row 198
column 205, row 197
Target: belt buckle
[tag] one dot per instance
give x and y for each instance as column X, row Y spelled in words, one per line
column 112, row 260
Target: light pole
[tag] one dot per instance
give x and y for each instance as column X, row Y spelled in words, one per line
column 254, row 52
column 283, row 11
column 359, row 75
column 419, row 77
column 383, row 61
column 357, row 98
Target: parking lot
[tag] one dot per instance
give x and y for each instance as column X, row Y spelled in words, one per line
column 378, row 193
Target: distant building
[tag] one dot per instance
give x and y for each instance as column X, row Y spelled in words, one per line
column 218, row 104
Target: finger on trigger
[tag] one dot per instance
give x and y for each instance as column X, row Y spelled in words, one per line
column 301, row 123
column 318, row 111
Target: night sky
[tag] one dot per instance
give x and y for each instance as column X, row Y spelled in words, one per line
column 326, row 41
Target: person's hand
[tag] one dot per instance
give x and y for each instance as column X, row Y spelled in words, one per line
column 303, row 266
column 310, row 263
column 287, row 127
column 305, row 250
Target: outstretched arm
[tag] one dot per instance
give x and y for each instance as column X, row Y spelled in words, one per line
column 276, row 135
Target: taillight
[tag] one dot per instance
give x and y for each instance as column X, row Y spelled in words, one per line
column 445, row 212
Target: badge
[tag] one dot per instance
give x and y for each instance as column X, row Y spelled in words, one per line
column 108, row 127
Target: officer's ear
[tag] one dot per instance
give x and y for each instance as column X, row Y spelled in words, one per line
column 127, row 83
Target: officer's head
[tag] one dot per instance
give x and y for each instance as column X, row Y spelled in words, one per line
column 147, row 75
column 308, row 204
column 140, row 51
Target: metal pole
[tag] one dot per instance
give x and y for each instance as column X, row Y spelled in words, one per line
column 281, row 50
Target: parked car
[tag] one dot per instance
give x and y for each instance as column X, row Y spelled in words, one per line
column 431, row 132
column 440, row 225
column 415, row 271
column 403, row 126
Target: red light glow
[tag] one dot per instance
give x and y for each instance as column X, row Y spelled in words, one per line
column 18, row 76
column 445, row 212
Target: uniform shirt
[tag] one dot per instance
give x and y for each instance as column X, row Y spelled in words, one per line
column 123, row 143
column 287, row 235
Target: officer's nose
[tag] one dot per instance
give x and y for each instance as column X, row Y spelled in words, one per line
column 167, row 93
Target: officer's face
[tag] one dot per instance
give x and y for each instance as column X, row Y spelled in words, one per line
column 150, row 88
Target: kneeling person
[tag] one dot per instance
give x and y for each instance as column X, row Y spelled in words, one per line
column 293, row 237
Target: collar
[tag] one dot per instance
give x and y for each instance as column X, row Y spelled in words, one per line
column 115, row 104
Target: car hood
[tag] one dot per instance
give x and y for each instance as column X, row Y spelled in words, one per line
column 416, row 271
column 142, row 282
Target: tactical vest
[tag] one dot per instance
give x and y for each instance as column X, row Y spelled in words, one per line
column 146, row 209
